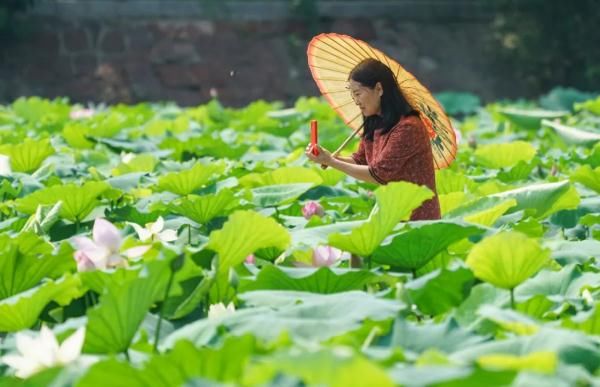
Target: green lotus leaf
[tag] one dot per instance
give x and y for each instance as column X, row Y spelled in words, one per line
column 570, row 347
column 439, row 291
column 315, row 236
column 490, row 215
column 330, row 176
column 520, row 171
column 303, row 315
column 395, row 203
column 43, row 113
column 448, row 181
column 567, row 283
column 592, row 105
column 542, row 199
column 325, row 367
column 22, row 310
column 279, row 176
column 451, row 201
column 588, row 177
column 587, row 321
column 124, row 302
column 43, row 219
column 27, row 260
column 203, row 209
column 138, row 163
column 530, row 118
column 573, row 135
column 411, row 249
column 504, row 155
column 447, row 336
column 77, row 201
column 75, row 135
column 322, row 280
column 243, row 234
column 509, row 320
column 280, row 194
column 567, row 252
column 186, row 182
column 27, row 156
column 507, row 259
column 184, row 363
column 483, row 211
column 544, row 362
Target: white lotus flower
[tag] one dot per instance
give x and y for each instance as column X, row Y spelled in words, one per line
column 219, row 310
column 5, row 169
column 39, row 353
column 155, row 231
column 104, row 250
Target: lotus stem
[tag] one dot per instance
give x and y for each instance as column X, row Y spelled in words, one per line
column 160, row 313
column 512, row 298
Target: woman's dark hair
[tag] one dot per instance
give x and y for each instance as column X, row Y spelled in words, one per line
column 393, row 104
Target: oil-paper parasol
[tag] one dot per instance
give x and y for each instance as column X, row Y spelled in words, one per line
column 332, row 56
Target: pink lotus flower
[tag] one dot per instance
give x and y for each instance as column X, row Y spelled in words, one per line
column 250, row 259
column 81, row 114
column 458, row 136
column 103, row 251
column 312, row 208
column 328, row 256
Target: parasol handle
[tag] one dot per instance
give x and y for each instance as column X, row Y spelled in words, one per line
column 341, row 147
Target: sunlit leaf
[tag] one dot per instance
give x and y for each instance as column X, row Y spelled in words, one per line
column 507, row 259
column 204, row 208
column 322, row 280
column 504, row 155
column 395, row 203
column 77, row 201
column 22, row 310
column 544, row 362
column 588, row 177
column 27, row 156
column 186, row 182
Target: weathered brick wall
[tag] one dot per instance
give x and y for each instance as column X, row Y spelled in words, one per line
column 108, row 54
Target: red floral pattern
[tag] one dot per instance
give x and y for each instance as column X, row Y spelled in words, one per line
column 403, row 154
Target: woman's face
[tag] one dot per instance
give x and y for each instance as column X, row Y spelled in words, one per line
column 367, row 99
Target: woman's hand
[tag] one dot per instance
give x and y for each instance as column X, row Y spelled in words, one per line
column 324, row 156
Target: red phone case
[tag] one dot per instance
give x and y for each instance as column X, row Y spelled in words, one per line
column 314, row 137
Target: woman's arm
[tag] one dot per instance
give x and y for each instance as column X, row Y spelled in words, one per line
column 360, row 172
column 346, row 159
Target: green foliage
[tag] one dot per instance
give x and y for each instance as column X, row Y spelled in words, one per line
column 520, row 212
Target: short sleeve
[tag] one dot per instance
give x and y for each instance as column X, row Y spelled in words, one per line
column 359, row 156
column 404, row 142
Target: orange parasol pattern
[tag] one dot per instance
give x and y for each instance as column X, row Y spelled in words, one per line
column 332, row 56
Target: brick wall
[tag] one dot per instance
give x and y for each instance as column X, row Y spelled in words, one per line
column 186, row 51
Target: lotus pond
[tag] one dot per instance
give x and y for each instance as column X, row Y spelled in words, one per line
column 153, row 245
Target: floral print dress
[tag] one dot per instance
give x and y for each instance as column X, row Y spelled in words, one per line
column 402, row 154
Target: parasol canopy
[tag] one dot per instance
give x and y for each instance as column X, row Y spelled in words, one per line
column 331, row 58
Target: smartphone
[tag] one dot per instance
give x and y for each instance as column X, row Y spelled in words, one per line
column 314, row 137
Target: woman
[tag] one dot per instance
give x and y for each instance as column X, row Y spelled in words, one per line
column 394, row 145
